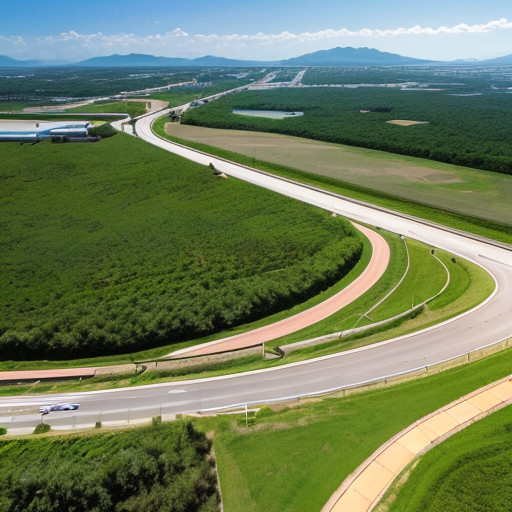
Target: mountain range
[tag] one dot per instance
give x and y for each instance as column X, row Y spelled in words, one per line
column 334, row 57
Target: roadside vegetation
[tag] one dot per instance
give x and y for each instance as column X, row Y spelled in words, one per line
column 132, row 108
column 469, row 285
column 461, row 130
column 118, row 247
column 470, row 471
column 158, row 468
column 500, row 231
column 295, row 458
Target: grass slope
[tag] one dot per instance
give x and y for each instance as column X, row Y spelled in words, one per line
column 293, row 460
column 119, row 246
column 470, row 471
column 132, row 108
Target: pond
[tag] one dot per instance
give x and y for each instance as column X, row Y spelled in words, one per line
column 270, row 114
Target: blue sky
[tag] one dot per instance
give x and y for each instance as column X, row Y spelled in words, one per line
column 262, row 30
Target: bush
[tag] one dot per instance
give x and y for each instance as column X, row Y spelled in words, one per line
column 156, row 420
column 103, row 130
column 42, row 428
column 3, row 431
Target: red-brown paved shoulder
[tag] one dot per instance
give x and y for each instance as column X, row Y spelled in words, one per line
column 67, row 373
column 373, row 272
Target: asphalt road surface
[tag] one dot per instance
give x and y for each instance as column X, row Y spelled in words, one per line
column 487, row 324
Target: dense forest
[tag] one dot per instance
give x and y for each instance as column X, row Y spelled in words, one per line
column 118, row 246
column 467, row 130
column 151, row 469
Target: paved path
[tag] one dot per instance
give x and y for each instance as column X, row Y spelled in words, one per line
column 373, row 272
column 34, row 375
column 363, row 489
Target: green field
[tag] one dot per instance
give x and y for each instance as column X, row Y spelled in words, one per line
column 118, row 246
column 468, row 131
column 292, row 460
column 484, row 209
column 470, row 471
column 132, row 108
column 153, row 469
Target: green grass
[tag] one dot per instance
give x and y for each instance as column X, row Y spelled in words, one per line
column 108, row 248
column 425, row 278
column 470, row 471
column 132, row 108
column 295, row 459
column 157, row 468
column 480, row 226
column 9, row 106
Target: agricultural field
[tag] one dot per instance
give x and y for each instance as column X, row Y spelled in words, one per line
column 470, row 471
column 462, row 190
column 472, row 131
column 118, row 246
column 154, row 469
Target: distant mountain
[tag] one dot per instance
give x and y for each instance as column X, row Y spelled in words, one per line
column 352, row 57
column 506, row 60
column 133, row 60
column 14, row 63
column 141, row 60
column 334, row 57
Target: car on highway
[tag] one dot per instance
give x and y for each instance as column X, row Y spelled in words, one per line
column 47, row 409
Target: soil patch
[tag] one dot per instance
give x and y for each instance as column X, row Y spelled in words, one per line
column 404, row 122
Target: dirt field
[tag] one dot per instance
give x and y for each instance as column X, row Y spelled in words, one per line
column 469, row 191
column 403, row 122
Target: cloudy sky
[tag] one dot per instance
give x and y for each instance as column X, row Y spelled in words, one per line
column 260, row 30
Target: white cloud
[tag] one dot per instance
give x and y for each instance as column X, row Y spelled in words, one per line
column 180, row 43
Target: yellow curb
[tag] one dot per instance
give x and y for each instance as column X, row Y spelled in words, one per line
column 502, row 391
column 463, row 412
column 395, row 457
column 441, row 423
column 372, row 480
column 417, row 439
column 484, row 401
column 362, row 490
column 352, row 501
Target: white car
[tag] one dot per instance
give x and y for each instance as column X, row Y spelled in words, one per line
column 58, row 407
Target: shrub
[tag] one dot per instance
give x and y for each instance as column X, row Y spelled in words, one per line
column 42, row 428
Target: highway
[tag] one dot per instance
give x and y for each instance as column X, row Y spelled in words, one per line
column 489, row 323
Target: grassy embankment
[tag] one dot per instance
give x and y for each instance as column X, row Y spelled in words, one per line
column 294, row 459
column 132, row 108
column 153, row 469
column 465, row 222
column 470, row 471
column 108, row 224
